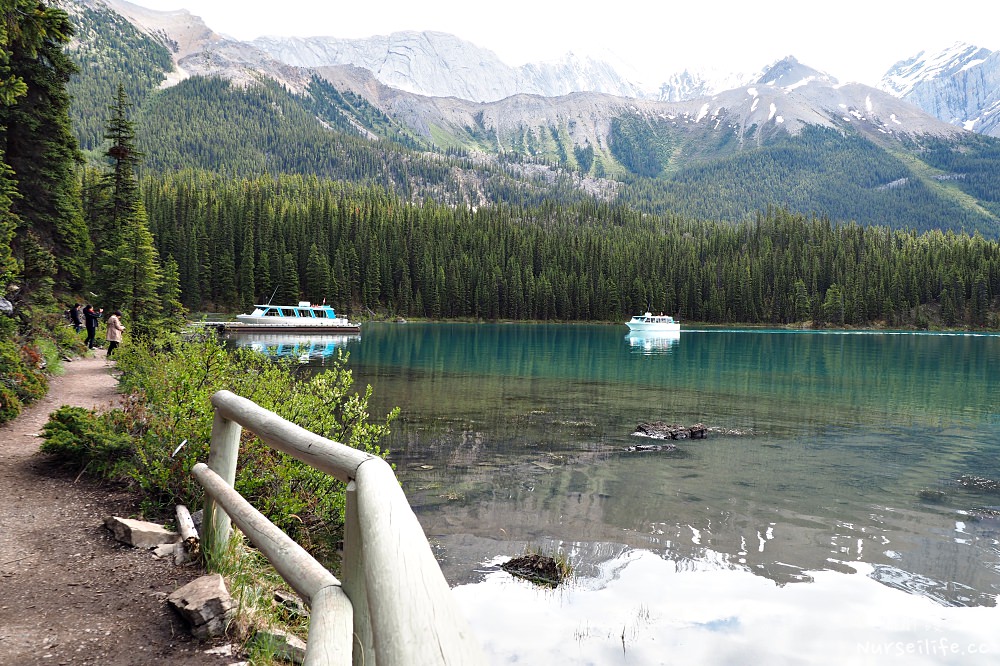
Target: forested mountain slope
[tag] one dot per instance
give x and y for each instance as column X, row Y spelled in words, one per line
column 794, row 139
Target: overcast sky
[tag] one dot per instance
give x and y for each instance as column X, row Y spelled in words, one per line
column 851, row 41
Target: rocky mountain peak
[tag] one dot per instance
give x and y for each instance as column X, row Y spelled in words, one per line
column 927, row 65
column 438, row 64
column 959, row 84
column 790, row 73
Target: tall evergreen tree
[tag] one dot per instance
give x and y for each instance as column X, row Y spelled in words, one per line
column 38, row 142
column 171, row 309
column 288, row 288
column 132, row 274
column 120, row 182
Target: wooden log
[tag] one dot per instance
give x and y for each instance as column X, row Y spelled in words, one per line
column 352, row 575
column 330, row 629
column 189, row 547
column 223, row 452
column 185, row 525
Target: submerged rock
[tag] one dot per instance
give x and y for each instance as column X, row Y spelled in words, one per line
column 663, row 430
column 638, row 448
column 985, row 513
column 980, row 483
column 931, row 495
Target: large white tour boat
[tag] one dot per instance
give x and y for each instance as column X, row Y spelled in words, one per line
column 301, row 317
column 650, row 323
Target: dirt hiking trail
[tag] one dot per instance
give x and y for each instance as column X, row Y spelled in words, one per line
column 69, row 593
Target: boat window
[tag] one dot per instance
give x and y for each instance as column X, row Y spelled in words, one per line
column 287, row 312
column 271, row 313
column 320, row 314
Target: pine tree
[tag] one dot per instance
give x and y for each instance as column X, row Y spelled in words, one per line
column 288, row 292
column 125, row 158
column 247, row 274
column 802, row 304
column 38, row 141
column 171, row 309
column 833, row 306
column 8, row 225
column 130, row 270
column 132, row 274
column 317, row 275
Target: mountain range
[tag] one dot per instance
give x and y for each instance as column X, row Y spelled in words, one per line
column 722, row 147
column 959, row 85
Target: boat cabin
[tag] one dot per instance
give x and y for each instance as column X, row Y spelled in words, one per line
column 303, row 310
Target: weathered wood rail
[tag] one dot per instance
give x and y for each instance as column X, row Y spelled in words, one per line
column 394, row 605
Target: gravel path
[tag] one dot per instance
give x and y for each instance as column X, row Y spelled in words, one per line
column 69, row 593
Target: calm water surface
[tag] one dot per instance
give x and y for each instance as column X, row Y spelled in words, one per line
column 798, row 532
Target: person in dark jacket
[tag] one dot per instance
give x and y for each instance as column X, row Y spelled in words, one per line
column 91, row 318
column 76, row 317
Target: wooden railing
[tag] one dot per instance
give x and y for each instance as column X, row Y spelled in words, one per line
column 394, row 606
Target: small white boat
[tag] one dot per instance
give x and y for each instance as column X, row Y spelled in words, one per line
column 301, row 317
column 650, row 323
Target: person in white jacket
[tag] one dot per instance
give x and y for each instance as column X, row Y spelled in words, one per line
column 115, row 330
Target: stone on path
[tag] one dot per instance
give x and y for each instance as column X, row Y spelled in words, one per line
column 139, row 533
column 205, row 604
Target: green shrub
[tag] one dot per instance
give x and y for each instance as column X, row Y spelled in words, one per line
column 10, row 404
column 52, row 361
column 30, row 350
column 21, row 377
column 80, row 437
column 168, row 414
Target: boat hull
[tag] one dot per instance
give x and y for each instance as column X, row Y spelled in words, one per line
column 642, row 327
column 293, row 325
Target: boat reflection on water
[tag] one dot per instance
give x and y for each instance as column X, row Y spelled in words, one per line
column 650, row 343
column 306, row 347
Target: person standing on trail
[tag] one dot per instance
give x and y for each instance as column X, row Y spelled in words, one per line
column 76, row 317
column 91, row 318
column 115, row 330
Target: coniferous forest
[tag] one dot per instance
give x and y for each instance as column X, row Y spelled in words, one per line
column 235, row 242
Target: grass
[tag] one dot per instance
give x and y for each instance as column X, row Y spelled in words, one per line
column 253, row 582
column 51, row 356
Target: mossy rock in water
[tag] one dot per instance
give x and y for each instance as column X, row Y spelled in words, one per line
column 539, row 569
column 935, row 496
column 984, row 513
column 980, row 483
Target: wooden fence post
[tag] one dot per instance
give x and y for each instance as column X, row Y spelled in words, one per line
column 352, row 576
column 222, row 455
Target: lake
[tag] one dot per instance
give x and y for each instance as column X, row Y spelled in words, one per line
column 823, row 520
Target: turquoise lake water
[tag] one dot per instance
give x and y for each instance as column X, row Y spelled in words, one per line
column 822, row 520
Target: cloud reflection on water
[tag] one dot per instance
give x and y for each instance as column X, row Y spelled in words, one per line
column 712, row 615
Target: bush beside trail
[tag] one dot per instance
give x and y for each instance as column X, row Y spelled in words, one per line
column 166, row 419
